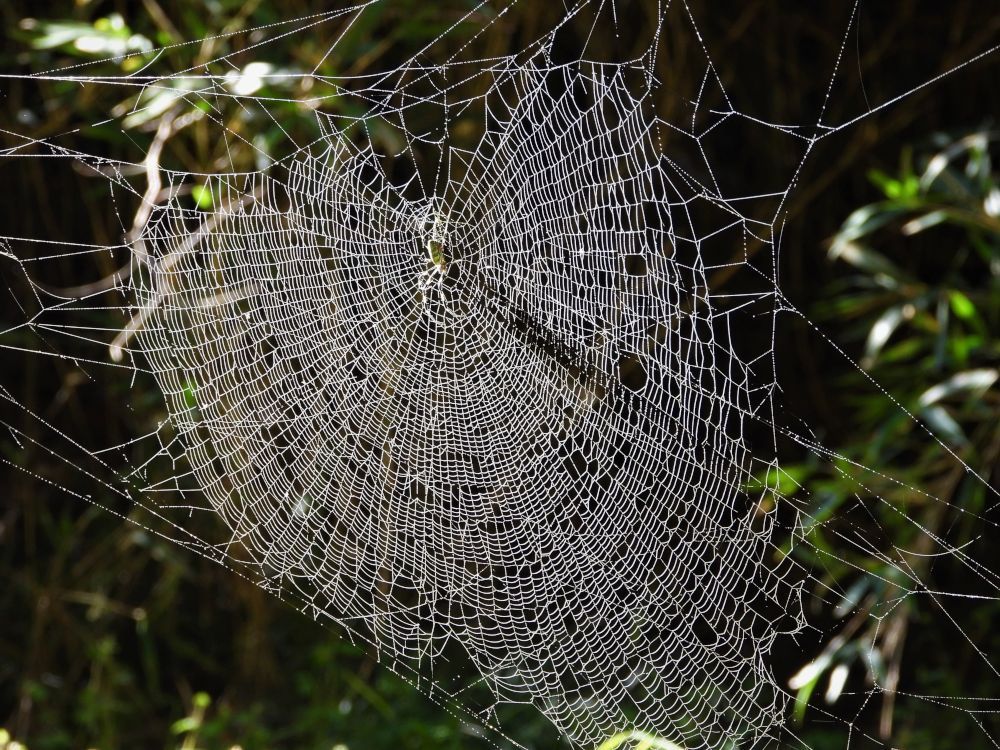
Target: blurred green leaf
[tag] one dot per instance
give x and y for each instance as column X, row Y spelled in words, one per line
column 926, row 221
column 882, row 329
column 202, row 196
column 837, row 680
column 943, row 424
column 961, row 305
column 864, row 258
column 784, row 480
column 185, row 725
column 904, row 188
column 976, row 381
column 106, row 37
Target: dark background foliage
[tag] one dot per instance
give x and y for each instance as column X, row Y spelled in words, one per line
column 111, row 637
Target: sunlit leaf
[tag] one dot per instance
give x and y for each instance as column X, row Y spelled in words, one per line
column 991, row 203
column 880, row 332
column 875, row 663
column 811, row 672
column 928, row 220
column 943, row 424
column 838, row 677
column 154, row 102
column 969, row 380
column 250, row 79
column 865, row 220
column 852, row 597
column 106, row 37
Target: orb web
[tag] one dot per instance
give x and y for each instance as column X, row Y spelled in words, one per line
column 480, row 401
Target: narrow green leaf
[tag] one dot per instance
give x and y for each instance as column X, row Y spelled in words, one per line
column 880, row 332
column 185, row 725
column 802, row 700
column 968, row 380
column 865, row 220
column 928, row 220
column 838, row 677
column 864, row 258
column 961, row 305
column 942, row 423
column 890, row 187
column 852, row 597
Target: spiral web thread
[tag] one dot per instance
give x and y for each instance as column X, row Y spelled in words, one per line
column 491, row 411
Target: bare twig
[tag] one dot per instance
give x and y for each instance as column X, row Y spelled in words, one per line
column 171, row 259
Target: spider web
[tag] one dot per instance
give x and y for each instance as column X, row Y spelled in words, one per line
column 470, row 400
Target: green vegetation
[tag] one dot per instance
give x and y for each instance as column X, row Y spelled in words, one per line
column 922, row 297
